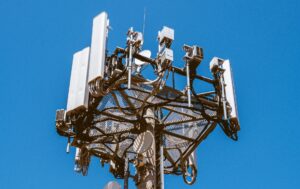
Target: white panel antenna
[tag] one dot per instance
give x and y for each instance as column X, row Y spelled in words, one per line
column 78, row 89
column 98, row 47
column 229, row 89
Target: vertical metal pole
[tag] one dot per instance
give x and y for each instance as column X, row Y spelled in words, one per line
column 189, row 99
column 68, row 146
column 153, row 178
column 173, row 79
column 158, row 159
column 159, row 154
column 188, row 81
column 126, row 173
column 162, row 181
column 130, row 58
column 162, row 177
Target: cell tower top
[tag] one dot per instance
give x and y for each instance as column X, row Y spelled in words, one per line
column 114, row 112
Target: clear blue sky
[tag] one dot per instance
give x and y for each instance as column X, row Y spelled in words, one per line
column 260, row 37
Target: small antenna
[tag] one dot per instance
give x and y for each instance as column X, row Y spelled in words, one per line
column 144, row 24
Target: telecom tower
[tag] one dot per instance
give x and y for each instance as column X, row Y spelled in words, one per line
column 131, row 122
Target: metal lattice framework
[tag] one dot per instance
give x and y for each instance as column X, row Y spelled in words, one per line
column 129, row 119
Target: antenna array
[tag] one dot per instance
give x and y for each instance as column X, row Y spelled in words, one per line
column 126, row 120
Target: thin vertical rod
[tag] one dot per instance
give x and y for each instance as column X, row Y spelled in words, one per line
column 162, row 178
column 126, row 174
column 188, row 81
column 68, row 145
column 130, row 58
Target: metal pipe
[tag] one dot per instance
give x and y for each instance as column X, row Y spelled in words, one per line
column 126, row 173
column 173, row 68
column 144, row 58
column 162, row 181
column 179, row 136
column 129, row 66
column 188, row 81
column 206, row 93
column 130, row 58
column 161, row 168
column 68, row 146
column 181, row 72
